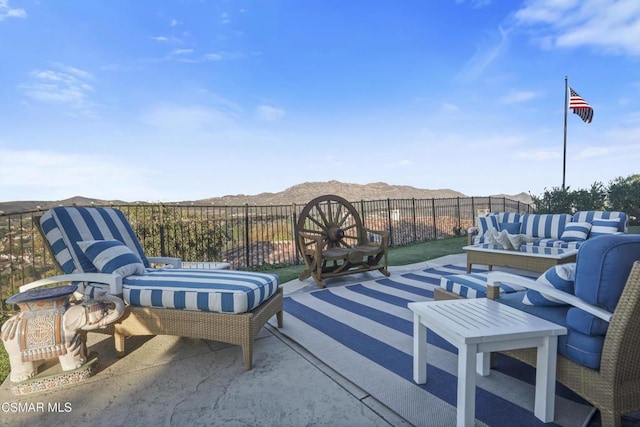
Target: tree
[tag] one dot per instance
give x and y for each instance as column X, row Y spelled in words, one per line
column 624, row 196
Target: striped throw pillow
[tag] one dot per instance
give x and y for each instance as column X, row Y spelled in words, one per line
column 486, row 223
column 576, row 232
column 112, row 256
column 561, row 277
column 602, row 227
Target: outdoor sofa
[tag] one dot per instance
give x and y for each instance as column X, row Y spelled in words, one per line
column 550, row 230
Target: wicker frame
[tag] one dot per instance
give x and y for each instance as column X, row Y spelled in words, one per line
column 238, row 329
column 615, row 388
column 512, row 259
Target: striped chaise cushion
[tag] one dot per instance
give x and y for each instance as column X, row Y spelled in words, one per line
column 549, row 226
column 64, row 227
column 473, row 285
column 226, row 291
column 589, row 216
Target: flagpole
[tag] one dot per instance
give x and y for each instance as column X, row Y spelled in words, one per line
column 564, row 156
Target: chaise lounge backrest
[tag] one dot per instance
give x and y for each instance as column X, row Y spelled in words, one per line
column 64, row 227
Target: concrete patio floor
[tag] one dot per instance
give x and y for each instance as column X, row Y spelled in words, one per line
column 176, row 381
column 167, row 380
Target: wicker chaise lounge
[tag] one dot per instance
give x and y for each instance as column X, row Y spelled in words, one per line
column 98, row 246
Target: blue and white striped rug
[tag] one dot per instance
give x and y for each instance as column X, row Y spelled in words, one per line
column 364, row 331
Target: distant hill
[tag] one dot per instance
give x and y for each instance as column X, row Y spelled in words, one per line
column 299, row 194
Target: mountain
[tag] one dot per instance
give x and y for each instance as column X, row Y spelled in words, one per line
column 299, row 194
column 303, row 193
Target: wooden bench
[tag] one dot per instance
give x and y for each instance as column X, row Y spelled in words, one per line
column 333, row 241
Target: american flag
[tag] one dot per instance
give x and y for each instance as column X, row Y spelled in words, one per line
column 580, row 107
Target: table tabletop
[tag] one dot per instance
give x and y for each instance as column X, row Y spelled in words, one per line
column 480, row 320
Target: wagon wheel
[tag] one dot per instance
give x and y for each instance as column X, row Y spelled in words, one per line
column 332, row 218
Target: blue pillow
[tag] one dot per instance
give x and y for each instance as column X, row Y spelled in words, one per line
column 561, row 277
column 112, row 256
column 511, row 227
column 576, row 232
column 603, row 227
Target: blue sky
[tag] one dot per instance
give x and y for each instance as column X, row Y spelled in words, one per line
column 184, row 100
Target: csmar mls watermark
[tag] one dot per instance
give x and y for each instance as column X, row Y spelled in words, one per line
column 35, row 407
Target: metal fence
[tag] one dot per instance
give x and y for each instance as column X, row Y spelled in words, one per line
column 245, row 236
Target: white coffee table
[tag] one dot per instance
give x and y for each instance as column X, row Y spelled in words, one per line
column 477, row 327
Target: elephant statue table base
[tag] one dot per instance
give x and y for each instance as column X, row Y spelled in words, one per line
column 49, row 327
column 51, row 376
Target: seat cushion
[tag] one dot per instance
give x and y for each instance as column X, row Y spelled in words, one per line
column 223, row 291
column 583, row 349
column 473, row 285
column 64, row 227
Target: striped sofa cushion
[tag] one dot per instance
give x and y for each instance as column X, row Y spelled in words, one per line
column 64, row 227
column 508, row 217
column 548, row 226
column 472, row 285
column 225, row 291
column 486, row 223
column 589, row 216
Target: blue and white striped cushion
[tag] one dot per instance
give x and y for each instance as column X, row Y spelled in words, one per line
column 561, row 277
column 225, row 291
column 508, row 217
column 549, row 226
column 576, row 232
column 112, row 257
column 486, row 223
column 589, row 216
column 64, row 227
column 472, row 285
column 603, row 227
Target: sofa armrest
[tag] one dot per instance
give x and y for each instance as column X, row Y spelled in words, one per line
column 495, row 277
column 471, row 231
column 174, row 262
column 113, row 280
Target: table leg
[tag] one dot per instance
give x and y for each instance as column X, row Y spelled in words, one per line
column 419, row 350
column 483, row 364
column 466, row 404
column 544, row 408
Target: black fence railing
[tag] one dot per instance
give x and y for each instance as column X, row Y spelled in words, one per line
column 245, row 236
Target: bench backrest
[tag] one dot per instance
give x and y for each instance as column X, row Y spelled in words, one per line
column 64, row 227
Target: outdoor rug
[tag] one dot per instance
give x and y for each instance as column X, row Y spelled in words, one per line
column 364, row 331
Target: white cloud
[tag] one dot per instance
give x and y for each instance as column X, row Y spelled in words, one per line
column 10, row 12
column 187, row 118
column 181, row 52
column 47, row 175
column 269, row 113
column 612, row 26
column 224, row 18
column 485, row 55
column 62, row 85
column 593, row 152
column 516, row 97
column 175, row 23
column 539, row 155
